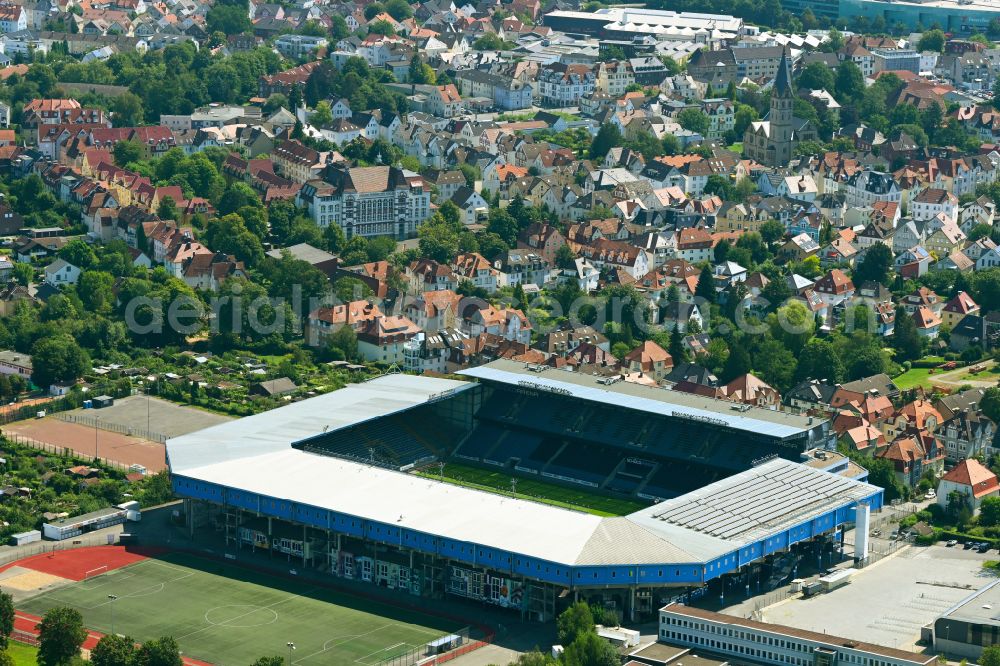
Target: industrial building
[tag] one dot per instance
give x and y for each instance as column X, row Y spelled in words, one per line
column 749, row 641
column 632, row 22
column 323, row 483
column 970, row 625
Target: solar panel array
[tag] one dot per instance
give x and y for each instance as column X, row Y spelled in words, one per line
column 759, row 499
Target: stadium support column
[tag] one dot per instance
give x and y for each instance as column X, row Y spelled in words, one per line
column 270, row 539
column 631, row 603
column 190, row 515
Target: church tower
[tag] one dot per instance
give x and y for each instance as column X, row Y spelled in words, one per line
column 780, row 116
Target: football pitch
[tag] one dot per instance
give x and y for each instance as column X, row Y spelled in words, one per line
column 540, row 491
column 230, row 616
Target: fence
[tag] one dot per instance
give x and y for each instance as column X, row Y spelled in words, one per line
column 21, row 440
column 111, row 426
column 12, row 554
column 418, row 655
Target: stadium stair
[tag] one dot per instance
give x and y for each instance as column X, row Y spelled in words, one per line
column 558, row 453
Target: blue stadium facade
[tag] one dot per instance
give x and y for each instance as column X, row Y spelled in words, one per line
column 288, row 482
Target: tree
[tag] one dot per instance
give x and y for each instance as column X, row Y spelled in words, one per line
column 905, row 338
column 57, row 359
column 875, row 266
column 237, row 196
column 737, row 365
column 270, row 661
column 338, row 27
column 819, row 360
column 574, row 621
column 607, row 138
column 227, row 19
column 565, row 258
column 6, row 618
column 160, row 652
column 772, row 231
column 229, row 235
column 167, row 210
column 79, row 253
column 321, row 115
column 676, row 348
column 932, row 40
column 589, row 649
column 489, row 42
column 850, row 82
column 398, row 9
column 60, row 636
column 817, row 76
column 127, row 110
column 706, row 285
column 775, row 364
column 343, row 344
column 693, row 120
column 989, row 512
column 114, row 650
column 127, row 152
column 990, row 656
column 989, row 404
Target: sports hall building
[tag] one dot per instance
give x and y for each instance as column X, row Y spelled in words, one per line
column 325, row 483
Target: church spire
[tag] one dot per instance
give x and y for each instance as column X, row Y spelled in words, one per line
column 783, row 80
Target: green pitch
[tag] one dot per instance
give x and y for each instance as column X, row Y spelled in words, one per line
column 540, row 491
column 230, row 616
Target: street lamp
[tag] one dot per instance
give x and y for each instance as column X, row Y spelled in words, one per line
column 112, row 598
column 291, row 646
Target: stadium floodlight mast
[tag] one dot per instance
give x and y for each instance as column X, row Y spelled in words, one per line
column 112, row 598
column 291, row 646
column 97, row 420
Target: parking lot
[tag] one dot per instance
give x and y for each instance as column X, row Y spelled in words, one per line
column 888, row 602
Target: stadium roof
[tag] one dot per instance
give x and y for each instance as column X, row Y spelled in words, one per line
column 645, row 398
column 275, row 430
column 254, row 454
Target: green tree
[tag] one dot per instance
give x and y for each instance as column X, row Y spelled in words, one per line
column 875, row 266
column 990, row 656
column 6, row 619
column 705, row 288
column 60, row 636
column 819, row 360
column 270, row 661
column 905, row 338
column 127, row 110
column 79, row 253
column 693, row 120
column 989, row 512
column 817, row 76
column 97, row 291
column 850, row 82
column 589, row 649
column 57, row 359
column 772, row 231
column 932, row 40
column 398, row 9
column 575, row 621
column 343, row 344
column 607, row 138
column 167, row 210
column 160, row 652
column 114, row 650
column 127, row 152
column 322, row 115
column 737, row 365
column 565, row 258
column 227, row 19
column 989, row 404
column 230, row 235
column 489, row 42
column 676, row 347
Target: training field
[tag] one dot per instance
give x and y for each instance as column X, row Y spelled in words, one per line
column 227, row 615
column 151, row 415
column 548, row 493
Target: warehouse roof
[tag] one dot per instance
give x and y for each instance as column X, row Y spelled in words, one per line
column 644, row 398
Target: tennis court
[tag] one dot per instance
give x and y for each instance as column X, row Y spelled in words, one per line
column 228, row 615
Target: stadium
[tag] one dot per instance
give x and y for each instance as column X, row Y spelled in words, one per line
column 333, row 483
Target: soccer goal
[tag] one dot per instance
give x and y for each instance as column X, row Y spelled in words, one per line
column 95, row 572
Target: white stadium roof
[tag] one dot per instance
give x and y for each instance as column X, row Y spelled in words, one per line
column 646, row 398
column 254, row 454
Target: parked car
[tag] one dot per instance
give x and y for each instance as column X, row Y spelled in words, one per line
column 984, row 547
column 967, row 545
column 951, row 543
column 930, row 495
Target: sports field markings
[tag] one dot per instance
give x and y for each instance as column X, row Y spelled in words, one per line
column 237, row 617
column 274, row 616
column 344, row 640
column 392, row 650
column 148, row 591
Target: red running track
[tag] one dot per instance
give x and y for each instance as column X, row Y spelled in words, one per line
column 75, row 564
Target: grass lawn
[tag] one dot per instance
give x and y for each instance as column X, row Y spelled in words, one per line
column 23, row 655
column 913, row 378
column 228, row 615
column 549, row 493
